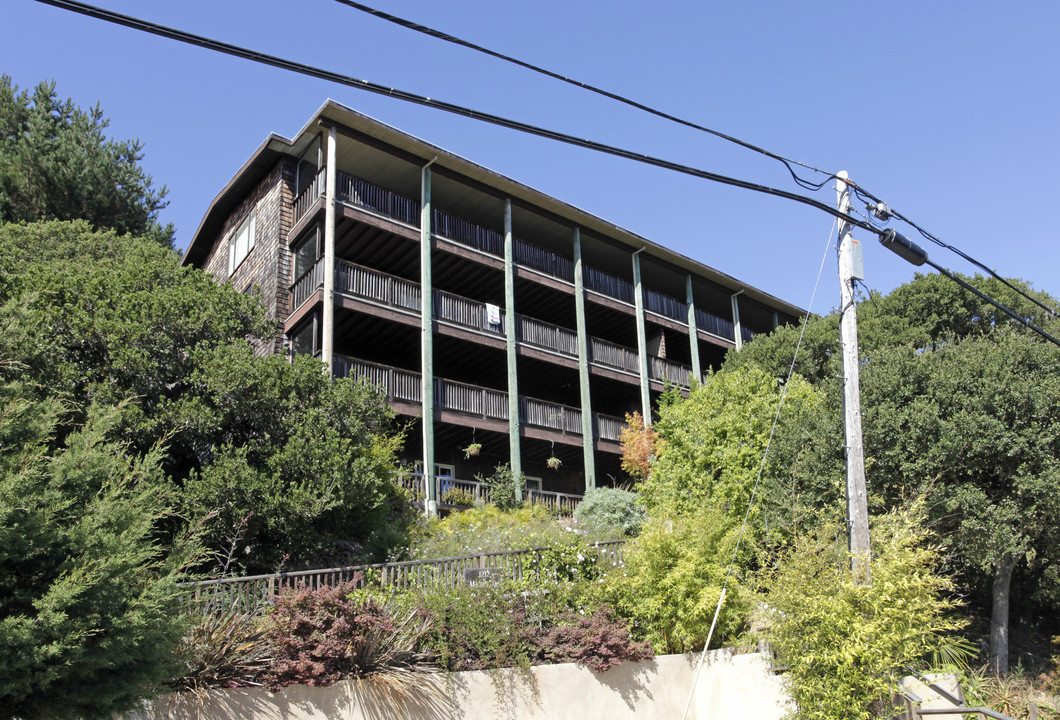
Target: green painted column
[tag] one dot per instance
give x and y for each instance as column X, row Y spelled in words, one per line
column 427, row 344
column 737, row 329
column 776, row 320
column 588, row 457
column 510, row 346
column 642, row 340
column 693, row 331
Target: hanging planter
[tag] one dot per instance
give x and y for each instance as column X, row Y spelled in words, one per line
column 472, row 450
column 554, row 463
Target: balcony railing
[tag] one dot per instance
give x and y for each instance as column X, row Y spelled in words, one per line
column 471, row 399
column 388, row 203
column 608, row 427
column 608, row 284
column 546, row 261
column 607, row 353
column 308, row 284
column 397, row 384
column 546, row 335
column 353, row 190
column 469, row 313
column 668, row 371
column 467, row 233
column 549, row 415
column 375, row 285
column 309, row 194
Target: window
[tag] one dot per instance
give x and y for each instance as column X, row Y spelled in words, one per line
column 241, row 242
column 306, row 253
column 304, row 339
column 444, row 475
column 532, row 483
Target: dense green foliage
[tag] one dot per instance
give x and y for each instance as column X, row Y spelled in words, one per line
column 845, row 644
column 272, row 459
column 90, row 595
column 57, row 163
column 959, row 403
column 610, row 509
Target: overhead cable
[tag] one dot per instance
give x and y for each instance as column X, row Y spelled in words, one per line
column 411, row 25
column 338, row 78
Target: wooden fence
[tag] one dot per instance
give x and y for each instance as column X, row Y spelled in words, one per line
column 256, row 592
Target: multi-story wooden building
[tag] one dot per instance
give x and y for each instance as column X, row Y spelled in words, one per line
column 492, row 314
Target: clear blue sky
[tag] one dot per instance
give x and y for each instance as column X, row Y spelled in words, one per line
column 948, row 110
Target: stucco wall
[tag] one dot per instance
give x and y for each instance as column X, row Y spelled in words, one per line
column 730, row 686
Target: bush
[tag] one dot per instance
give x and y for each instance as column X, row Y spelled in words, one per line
column 599, row 641
column 319, row 637
column 504, row 487
column 845, row 643
column 225, row 648
column 672, row 580
column 610, row 509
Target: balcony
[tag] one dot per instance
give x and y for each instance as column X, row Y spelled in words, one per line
column 453, row 493
column 395, row 292
column 386, row 203
column 472, row 400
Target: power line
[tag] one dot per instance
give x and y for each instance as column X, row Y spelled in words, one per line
column 411, row 25
column 787, row 162
column 338, row 78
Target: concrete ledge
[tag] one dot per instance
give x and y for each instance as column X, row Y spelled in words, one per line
column 729, row 686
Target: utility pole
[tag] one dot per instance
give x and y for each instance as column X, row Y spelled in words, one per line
column 851, row 268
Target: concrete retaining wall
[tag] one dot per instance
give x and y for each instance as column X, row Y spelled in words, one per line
column 730, row 686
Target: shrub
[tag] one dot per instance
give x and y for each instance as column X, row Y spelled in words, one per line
column 611, row 509
column 319, row 637
column 599, row 641
column 672, row 580
column 504, row 487
column 490, row 529
column 845, row 643
column 225, row 648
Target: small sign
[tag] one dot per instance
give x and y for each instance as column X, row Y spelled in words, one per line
column 483, row 576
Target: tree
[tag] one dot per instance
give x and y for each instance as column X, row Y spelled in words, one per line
column 273, row 452
column 713, row 441
column 960, row 402
column 88, row 618
column 57, row 163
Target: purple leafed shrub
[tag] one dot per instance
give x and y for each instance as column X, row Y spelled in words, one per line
column 319, row 637
column 599, row 641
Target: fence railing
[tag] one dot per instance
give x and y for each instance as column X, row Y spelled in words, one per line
column 715, row 324
column 608, row 427
column 546, row 261
column 309, row 194
column 608, row 284
column 397, row 384
column 616, row 356
column 305, row 286
column 664, row 304
column 546, row 335
column 257, row 592
column 466, row 232
column 669, row 371
column 375, row 285
column 355, row 191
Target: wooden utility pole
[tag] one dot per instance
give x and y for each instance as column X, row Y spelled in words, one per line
column 851, row 268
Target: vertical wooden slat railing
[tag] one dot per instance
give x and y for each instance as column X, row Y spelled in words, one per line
column 549, row 415
column 664, row 304
column 608, row 427
column 545, row 335
column 467, row 233
column 669, row 371
column 544, row 261
column 715, row 324
column 361, row 193
column 612, row 355
column 471, row 399
column 469, row 313
column 608, row 284
column 309, row 194
column 304, row 287
column 372, row 284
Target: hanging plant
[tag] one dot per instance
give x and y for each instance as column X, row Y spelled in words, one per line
column 554, row 463
column 472, row 450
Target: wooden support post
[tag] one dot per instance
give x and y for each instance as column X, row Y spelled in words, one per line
column 588, row 456
column 857, row 499
column 430, row 488
column 642, row 340
column 693, row 331
column 510, row 346
column 327, row 345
